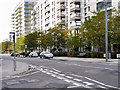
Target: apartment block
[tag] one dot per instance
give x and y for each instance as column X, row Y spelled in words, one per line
column 49, row 13
column 21, row 17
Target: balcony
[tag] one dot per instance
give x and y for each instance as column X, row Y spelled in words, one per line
column 62, row 7
column 60, row 1
column 28, row 27
column 75, row 1
column 76, row 16
column 27, row 11
column 75, row 25
column 75, row 8
column 29, row 8
column 61, row 21
column 27, row 15
column 27, row 23
column 27, row 19
column 19, row 8
column 61, row 15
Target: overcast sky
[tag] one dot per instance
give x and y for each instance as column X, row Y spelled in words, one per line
column 6, row 9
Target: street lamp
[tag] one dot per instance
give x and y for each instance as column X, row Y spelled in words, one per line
column 14, row 50
column 106, row 30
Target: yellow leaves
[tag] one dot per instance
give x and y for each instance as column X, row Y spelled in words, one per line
column 9, row 47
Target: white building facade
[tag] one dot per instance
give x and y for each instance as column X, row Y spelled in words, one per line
column 48, row 13
column 21, row 17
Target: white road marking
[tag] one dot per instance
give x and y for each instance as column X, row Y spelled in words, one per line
column 62, row 74
column 77, row 80
column 44, row 71
column 56, row 70
column 109, row 69
column 48, row 73
column 102, row 83
column 77, row 84
column 101, row 86
column 69, row 77
column 51, row 71
column 76, row 75
column 88, row 83
column 67, row 80
column 60, row 78
column 53, row 75
column 73, row 86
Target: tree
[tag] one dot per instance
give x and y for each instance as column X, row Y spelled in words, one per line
column 93, row 30
column 20, row 45
column 114, row 35
column 6, row 46
column 31, row 41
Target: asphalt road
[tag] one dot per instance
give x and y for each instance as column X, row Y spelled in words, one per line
column 50, row 73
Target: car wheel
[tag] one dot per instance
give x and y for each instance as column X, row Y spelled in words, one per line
column 44, row 57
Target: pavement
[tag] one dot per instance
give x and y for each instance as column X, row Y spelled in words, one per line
column 7, row 67
column 95, row 60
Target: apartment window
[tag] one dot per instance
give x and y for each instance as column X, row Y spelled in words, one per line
column 26, row 2
column 89, row 8
column 85, row 11
column 85, row 18
column 84, row 2
column 101, row 5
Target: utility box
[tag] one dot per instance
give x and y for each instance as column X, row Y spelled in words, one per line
column 118, row 55
column 109, row 55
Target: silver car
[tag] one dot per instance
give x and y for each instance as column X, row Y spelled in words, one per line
column 46, row 54
column 33, row 54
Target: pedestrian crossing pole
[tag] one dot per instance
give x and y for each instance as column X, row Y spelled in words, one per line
column 106, row 30
column 14, row 62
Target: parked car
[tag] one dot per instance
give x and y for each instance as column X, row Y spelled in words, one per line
column 46, row 54
column 12, row 54
column 33, row 54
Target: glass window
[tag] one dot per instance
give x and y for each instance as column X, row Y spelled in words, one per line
column 101, row 5
column 26, row 2
column 89, row 8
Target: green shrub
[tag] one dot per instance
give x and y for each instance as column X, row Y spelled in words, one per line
column 100, row 54
column 60, row 53
column 69, row 54
column 75, row 54
column 94, row 54
column 88, row 55
column 114, row 55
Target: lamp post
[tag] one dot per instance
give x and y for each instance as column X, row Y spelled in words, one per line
column 106, row 30
column 14, row 63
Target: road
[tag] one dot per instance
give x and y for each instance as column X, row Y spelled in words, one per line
column 50, row 73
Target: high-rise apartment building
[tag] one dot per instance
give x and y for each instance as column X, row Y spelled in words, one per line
column 48, row 13
column 21, row 17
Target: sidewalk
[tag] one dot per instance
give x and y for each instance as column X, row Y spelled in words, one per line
column 8, row 68
column 96, row 60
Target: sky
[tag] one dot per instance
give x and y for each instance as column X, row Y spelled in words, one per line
column 6, row 9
